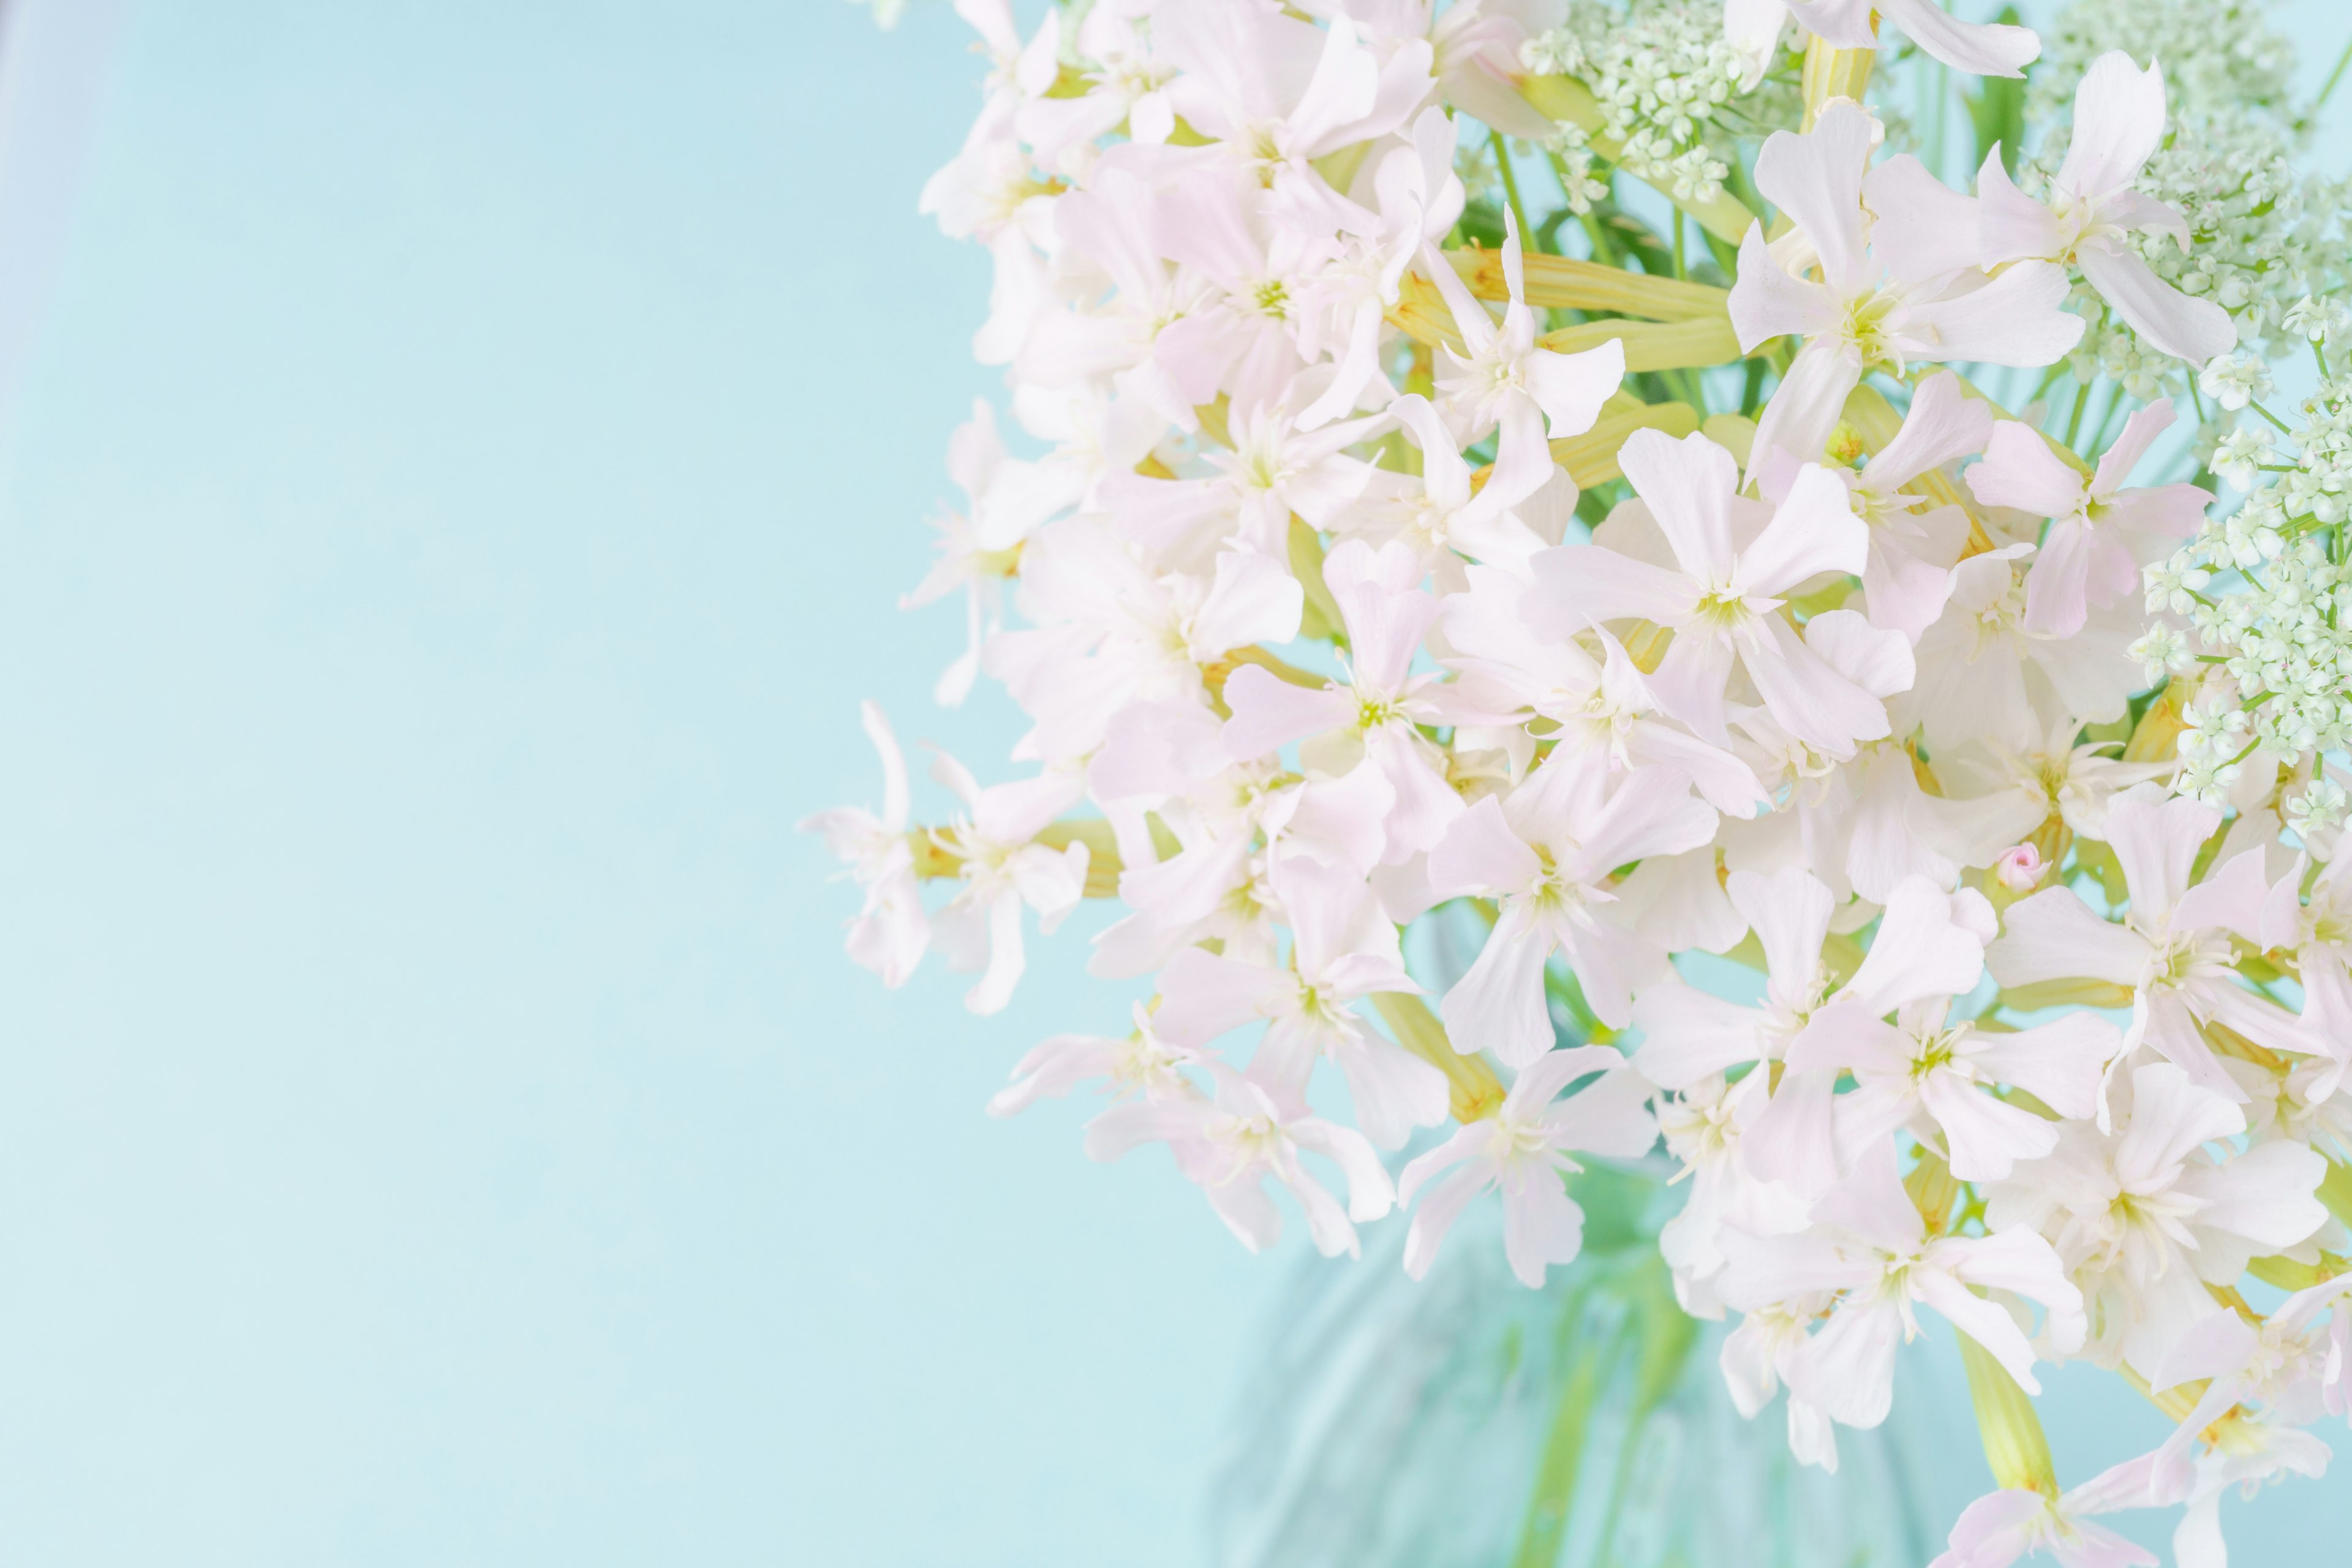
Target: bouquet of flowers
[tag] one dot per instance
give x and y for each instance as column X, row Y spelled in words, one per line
column 1594, row 471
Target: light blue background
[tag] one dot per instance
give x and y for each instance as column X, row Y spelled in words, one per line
column 453, row 506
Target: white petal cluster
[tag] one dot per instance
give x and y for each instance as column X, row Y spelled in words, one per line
column 1899, row 822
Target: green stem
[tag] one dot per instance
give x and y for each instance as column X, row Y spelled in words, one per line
column 1563, row 1457
column 2284, row 427
column 1682, row 270
column 2334, row 76
column 1511, row 188
column 2074, row 420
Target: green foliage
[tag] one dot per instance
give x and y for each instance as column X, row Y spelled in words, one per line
column 1997, row 108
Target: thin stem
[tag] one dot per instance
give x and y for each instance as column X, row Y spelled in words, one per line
column 2334, row 76
column 1682, row 224
column 2074, row 420
column 1511, row 188
column 2284, row 427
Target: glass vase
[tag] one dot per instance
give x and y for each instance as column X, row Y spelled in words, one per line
column 1465, row 1420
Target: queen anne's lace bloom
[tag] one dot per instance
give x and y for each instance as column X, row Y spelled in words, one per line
column 1406, row 519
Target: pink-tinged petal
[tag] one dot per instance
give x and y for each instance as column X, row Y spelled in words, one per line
column 1269, row 713
column 1386, row 614
column 1523, row 460
column 1793, row 1138
column 2220, row 1345
column 1943, row 423
column 1425, row 803
column 1480, row 855
column 1570, row 388
column 2015, row 319
column 1393, row 1091
column 2019, row 471
column 1765, row 302
column 889, row 935
column 1848, row 1368
column 1688, row 485
column 2053, row 935
column 2171, row 1118
column 1470, row 318
column 1810, row 399
column 1204, row 994
column 2153, row 520
column 1871, row 1205
column 1610, row 1117
column 1125, row 1128
column 2190, row 329
column 1688, row 684
column 1807, row 695
column 1996, row 1529
column 1843, row 24
column 2059, row 1063
column 1499, row 1004
column 1006, row 960
column 2265, row 1194
column 2010, row 225
column 2118, row 125
column 2156, row 840
column 1650, row 812
column 2057, row 588
column 1983, row 1138
column 1816, row 180
column 1921, row 951
column 1370, row 1193
column 2140, row 433
column 1612, row 964
column 2230, row 898
column 1875, row 659
column 1987, row 1322
column 1728, row 785
column 1979, row 48
column 1687, row 1035
column 1543, row 1080
column 1576, row 586
column 1789, row 911
column 1251, row 600
column 1444, row 1205
column 1541, row 1225
column 1845, row 1033
column 1814, row 531
column 1923, row 227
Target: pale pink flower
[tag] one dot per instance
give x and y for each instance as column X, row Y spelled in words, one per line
column 2289, row 1367
column 1230, row 1143
column 1273, row 93
column 1736, row 562
column 1546, row 852
column 1420, row 197
column 1375, row 714
column 891, row 932
column 2101, row 534
column 1001, row 867
column 2143, row 1217
column 1913, row 546
column 1932, row 1075
column 1601, row 705
column 2173, row 946
column 1141, row 1063
column 1703, row 1126
column 2119, row 123
column 1343, row 948
column 1889, row 294
column 1526, row 1149
column 2001, row 1527
column 1869, row 1244
column 1504, row 382
column 1982, row 676
column 2018, row 867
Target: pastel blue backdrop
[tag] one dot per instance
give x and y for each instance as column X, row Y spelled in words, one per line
column 450, row 508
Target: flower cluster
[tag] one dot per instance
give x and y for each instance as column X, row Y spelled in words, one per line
column 1776, row 707
column 1661, row 71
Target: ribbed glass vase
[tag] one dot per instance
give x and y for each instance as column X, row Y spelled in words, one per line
column 1468, row 1422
